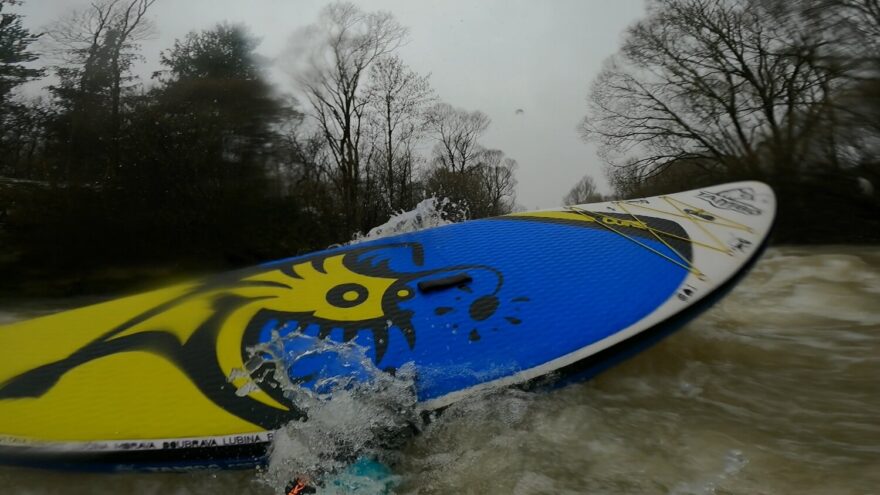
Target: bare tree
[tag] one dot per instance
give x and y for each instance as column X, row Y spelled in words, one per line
column 115, row 26
column 457, row 132
column 585, row 191
column 850, row 139
column 397, row 99
column 498, row 179
column 736, row 86
column 344, row 44
column 130, row 26
column 857, row 20
column 486, row 188
column 100, row 44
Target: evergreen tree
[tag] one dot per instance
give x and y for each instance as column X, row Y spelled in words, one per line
column 15, row 41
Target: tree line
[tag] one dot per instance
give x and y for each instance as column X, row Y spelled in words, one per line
column 207, row 163
column 785, row 91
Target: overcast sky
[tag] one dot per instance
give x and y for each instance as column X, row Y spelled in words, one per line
column 496, row 56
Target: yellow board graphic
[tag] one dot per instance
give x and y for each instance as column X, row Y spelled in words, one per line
column 155, row 365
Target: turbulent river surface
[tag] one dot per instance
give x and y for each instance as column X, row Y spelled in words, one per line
column 773, row 391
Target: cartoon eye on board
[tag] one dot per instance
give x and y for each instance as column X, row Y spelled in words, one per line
column 350, row 295
column 347, row 295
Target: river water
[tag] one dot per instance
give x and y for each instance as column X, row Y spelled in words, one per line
column 773, row 391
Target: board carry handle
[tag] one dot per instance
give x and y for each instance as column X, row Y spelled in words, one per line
column 444, row 283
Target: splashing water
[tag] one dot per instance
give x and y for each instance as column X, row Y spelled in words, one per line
column 431, row 212
column 355, row 411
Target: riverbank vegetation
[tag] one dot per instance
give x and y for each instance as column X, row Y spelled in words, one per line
column 208, row 164
column 784, row 91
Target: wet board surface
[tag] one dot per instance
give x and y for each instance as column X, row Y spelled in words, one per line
column 155, row 380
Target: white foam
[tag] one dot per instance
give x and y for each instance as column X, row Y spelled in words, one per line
column 734, row 462
column 807, row 289
column 431, row 212
column 348, row 417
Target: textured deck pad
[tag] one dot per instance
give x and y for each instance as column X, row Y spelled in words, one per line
column 473, row 305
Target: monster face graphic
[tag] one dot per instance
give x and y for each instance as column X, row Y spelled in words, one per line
column 204, row 330
column 332, row 294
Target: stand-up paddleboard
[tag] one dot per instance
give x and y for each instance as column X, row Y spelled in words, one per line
column 156, row 380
